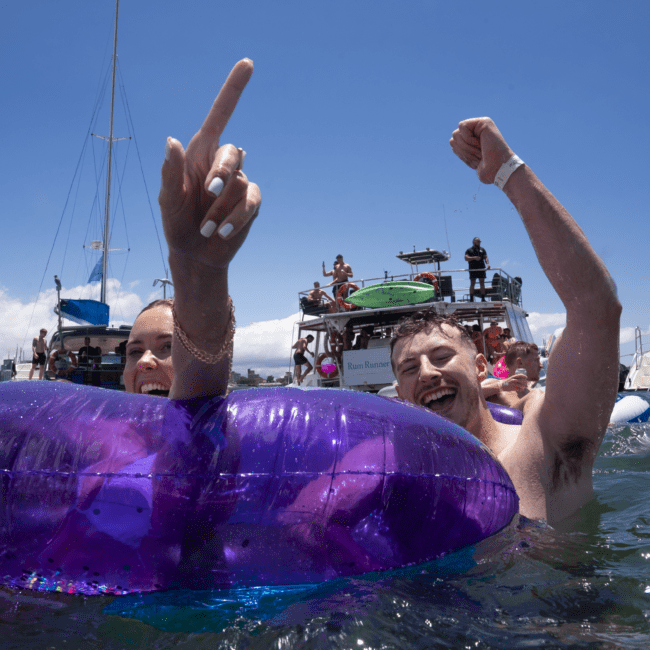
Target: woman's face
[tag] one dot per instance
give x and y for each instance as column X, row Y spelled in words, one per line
column 148, row 368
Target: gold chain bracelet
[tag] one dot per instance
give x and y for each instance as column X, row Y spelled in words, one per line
column 206, row 357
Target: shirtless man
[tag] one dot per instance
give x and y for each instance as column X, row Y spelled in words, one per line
column 300, row 359
column 317, row 294
column 39, row 354
column 550, row 456
column 340, row 274
column 517, row 391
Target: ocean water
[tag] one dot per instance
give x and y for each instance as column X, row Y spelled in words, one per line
column 585, row 584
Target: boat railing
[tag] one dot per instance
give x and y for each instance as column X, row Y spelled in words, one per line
column 453, row 286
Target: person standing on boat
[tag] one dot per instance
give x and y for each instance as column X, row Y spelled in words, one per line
column 299, row 358
column 340, row 274
column 478, row 262
column 39, row 354
column 550, row 456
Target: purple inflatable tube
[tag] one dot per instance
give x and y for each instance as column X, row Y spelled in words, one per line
column 106, row 492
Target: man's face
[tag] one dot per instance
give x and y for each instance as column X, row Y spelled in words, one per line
column 532, row 363
column 86, row 341
column 43, row 333
column 476, row 242
column 440, row 371
column 339, row 260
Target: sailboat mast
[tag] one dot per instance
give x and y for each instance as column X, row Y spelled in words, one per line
column 110, row 165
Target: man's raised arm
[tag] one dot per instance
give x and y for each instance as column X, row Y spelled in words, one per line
column 582, row 371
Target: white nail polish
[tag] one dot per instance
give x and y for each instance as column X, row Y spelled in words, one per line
column 168, row 150
column 216, row 185
column 225, row 230
column 242, row 157
column 208, row 228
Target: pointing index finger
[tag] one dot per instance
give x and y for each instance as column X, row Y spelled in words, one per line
column 226, row 101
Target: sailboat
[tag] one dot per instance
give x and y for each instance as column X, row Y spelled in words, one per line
column 104, row 366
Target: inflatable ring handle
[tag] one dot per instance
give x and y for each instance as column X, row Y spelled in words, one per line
column 428, row 276
column 322, row 373
column 345, row 289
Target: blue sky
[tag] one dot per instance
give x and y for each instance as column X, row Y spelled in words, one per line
column 346, row 123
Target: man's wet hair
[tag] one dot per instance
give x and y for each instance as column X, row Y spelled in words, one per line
column 519, row 349
column 309, row 337
column 426, row 321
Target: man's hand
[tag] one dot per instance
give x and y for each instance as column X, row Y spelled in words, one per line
column 203, row 190
column 516, row 383
column 480, row 145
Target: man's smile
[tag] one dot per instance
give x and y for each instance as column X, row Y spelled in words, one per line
column 438, row 399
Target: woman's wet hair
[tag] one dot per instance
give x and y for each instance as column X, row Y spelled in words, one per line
column 425, row 321
column 157, row 303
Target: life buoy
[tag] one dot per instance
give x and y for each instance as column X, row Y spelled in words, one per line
column 427, row 277
column 343, row 292
column 109, row 492
column 328, row 372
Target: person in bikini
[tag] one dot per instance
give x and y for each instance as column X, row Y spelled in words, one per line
column 493, row 345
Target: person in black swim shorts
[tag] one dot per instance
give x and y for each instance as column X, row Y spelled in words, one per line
column 478, row 262
column 300, row 359
column 39, row 358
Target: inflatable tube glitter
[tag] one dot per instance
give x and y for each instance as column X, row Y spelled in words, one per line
column 106, row 492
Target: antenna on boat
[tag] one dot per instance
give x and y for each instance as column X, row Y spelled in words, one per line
column 444, row 217
column 164, row 282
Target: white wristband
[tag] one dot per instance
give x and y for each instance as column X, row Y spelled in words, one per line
column 506, row 170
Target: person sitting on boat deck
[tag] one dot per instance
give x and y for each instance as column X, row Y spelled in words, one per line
column 550, row 456
column 88, row 353
column 363, row 337
column 316, row 297
column 478, row 262
column 63, row 363
column 493, row 345
column 299, row 358
column 207, row 206
column 518, row 389
column 39, row 354
column 340, row 274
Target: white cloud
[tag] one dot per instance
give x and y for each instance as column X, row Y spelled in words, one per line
column 265, row 346
column 627, row 334
column 21, row 321
column 543, row 325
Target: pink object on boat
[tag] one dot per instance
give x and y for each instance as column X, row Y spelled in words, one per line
column 500, row 369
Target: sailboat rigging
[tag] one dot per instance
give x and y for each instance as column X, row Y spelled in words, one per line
column 105, row 368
